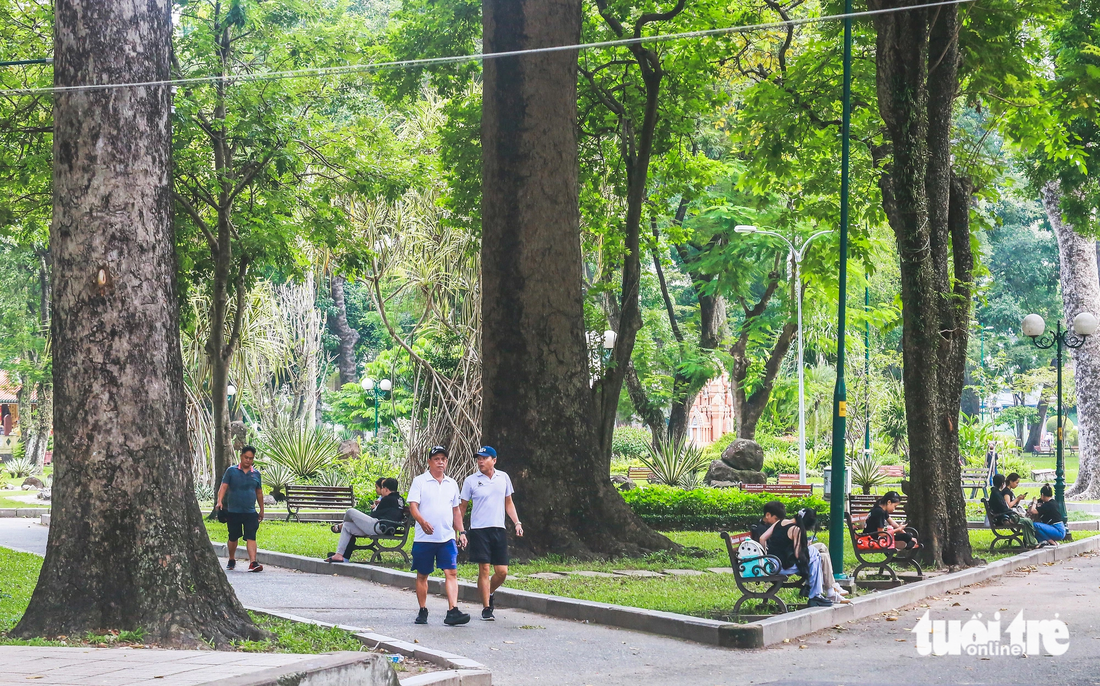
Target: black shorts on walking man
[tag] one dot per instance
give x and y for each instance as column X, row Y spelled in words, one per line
column 490, row 490
column 238, row 496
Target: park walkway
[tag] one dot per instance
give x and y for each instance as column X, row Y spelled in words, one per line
column 526, row 649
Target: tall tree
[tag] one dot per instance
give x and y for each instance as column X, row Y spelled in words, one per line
column 127, row 546
column 537, row 406
column 928, row 205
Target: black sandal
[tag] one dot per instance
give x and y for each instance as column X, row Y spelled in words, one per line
column 336, row 528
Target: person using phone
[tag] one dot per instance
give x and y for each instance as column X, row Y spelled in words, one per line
column 1049, row 527
column 1012, row 481
column 433, row 502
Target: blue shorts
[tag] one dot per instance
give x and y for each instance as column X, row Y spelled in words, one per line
column 427, row 556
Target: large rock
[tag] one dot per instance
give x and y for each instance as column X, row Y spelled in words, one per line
column 349, row 449
column 31, row 482
column 719, row 471
column 623, row 483
column 269, row 500
column 44, row 494
column 744, row 454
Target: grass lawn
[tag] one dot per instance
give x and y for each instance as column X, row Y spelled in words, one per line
column 8, row 503
column 19, row 572
column 708, row 595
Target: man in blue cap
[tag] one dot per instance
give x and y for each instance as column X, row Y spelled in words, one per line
column 490, row 490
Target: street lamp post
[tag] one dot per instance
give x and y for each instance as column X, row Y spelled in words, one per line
column 369, row 385
column 796, row 255
column 1083, row 325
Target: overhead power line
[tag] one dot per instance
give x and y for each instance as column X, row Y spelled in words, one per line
column 479, row 57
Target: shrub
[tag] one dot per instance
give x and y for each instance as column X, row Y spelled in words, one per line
column 331, row 478
column 710, row 509
column 630, row 443
column 674, row 464
column 865, row 473
column 276, row 476
column 204, row 492
column 1013, row 462
column 303, row 450
column 780, row 464
column 364, row 470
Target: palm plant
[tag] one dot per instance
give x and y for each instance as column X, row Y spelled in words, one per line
column 303, row 450
column 865, row 473
column 20, row 467
column 278, row 477
column 332, row 478
column 674, row 464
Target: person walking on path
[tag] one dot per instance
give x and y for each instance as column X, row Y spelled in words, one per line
column 387, row 515
column 433, row 502
column 238, row 496
column 490, row 490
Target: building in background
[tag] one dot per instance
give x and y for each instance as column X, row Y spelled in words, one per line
column 711, row 415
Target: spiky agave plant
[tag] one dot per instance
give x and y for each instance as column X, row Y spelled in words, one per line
column 277, row 477
column 865, row 473
column 674, row 464
column 303, row 450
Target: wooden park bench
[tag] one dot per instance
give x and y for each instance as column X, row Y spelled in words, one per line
column 894, row 472
column 881, row 543
column 786, row 479
column 793, row 490
column 640, row 474
column 975, row 478
column 1005, row 527
column 393, row 541
column 757, row 575
column 330, row 498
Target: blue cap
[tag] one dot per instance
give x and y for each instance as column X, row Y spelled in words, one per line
column 486, row 451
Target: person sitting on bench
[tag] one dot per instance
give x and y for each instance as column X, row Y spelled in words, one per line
column 1011, row 499
column 786, row 540
column 1000, row 510
column 878, row 519
column 1049, row 528
column 381, row 521
column 829, row 586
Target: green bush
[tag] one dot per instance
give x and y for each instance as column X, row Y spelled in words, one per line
column 714, row 451
column 780, row 464
column 1052, row 423
column 304, row 450
column 630, row 443
column 710, row 509
column 362, row 471
column 775, row 444
column 1013, row 462
column 675, row 464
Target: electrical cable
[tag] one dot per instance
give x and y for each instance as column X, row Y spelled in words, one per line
column 478, row 57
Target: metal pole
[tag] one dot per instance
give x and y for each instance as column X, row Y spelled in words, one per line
column 867, row 372
column 376, row 414
column 981, row 365
column 840, row 394
column 801, row 374
column 1060, row 466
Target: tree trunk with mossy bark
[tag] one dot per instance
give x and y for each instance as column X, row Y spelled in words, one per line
column 1080, row 293
column 127, row 546
column 538, row 409
column 348, row 337
column 928, row 207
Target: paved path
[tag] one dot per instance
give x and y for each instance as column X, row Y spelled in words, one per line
column 526, row 649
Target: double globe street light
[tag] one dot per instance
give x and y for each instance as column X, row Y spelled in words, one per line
column 1083, row 326
column 369, row 385
column 795, row 255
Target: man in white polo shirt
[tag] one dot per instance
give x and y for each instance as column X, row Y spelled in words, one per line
column 433, row 502
column 490, row 490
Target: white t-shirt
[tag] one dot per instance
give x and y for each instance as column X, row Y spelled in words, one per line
column 487, row 496
column 436, row 501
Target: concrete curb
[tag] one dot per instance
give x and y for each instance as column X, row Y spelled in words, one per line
column 336, row 669
column 714, row 632
column 458, row 670
column 24, row 511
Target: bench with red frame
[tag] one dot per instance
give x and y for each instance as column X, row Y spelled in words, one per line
column 879, row 543
column 747, row 575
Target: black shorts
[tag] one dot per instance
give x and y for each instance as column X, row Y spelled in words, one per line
column 246, row 522
column 488, row 546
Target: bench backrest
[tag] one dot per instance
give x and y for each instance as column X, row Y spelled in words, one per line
column 977, row 475
column 319, row 497
column 892, row 471
column 787, row 479
column 859, row 505
column 639, row 473
column 779, row 489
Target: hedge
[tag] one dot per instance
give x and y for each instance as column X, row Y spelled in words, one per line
column 711, row 509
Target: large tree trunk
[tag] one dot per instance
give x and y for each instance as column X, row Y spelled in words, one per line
column 345, row 353
column 1080, row 293
column 928, row 207
column 1035, row 430
column 127, row 547
column 537, row 408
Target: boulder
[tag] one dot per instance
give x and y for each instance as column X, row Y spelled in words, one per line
column 8, row 487
column 719, row 471
column 32, row 482
column 623, row 483
column 44, row 494
column 269, row 500
column 349, row 449
column 744, row 454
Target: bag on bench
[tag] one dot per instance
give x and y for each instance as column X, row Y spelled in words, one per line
column 753, row 562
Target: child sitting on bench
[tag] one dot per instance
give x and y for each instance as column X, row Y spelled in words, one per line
column 381, row 521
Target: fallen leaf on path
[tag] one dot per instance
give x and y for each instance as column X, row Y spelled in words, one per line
column 509, row 641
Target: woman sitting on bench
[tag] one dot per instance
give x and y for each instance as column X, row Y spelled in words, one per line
column 381, row 521
column 1000, row 505
column 878, row 519
column 1049, row 528
column 786, row 540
